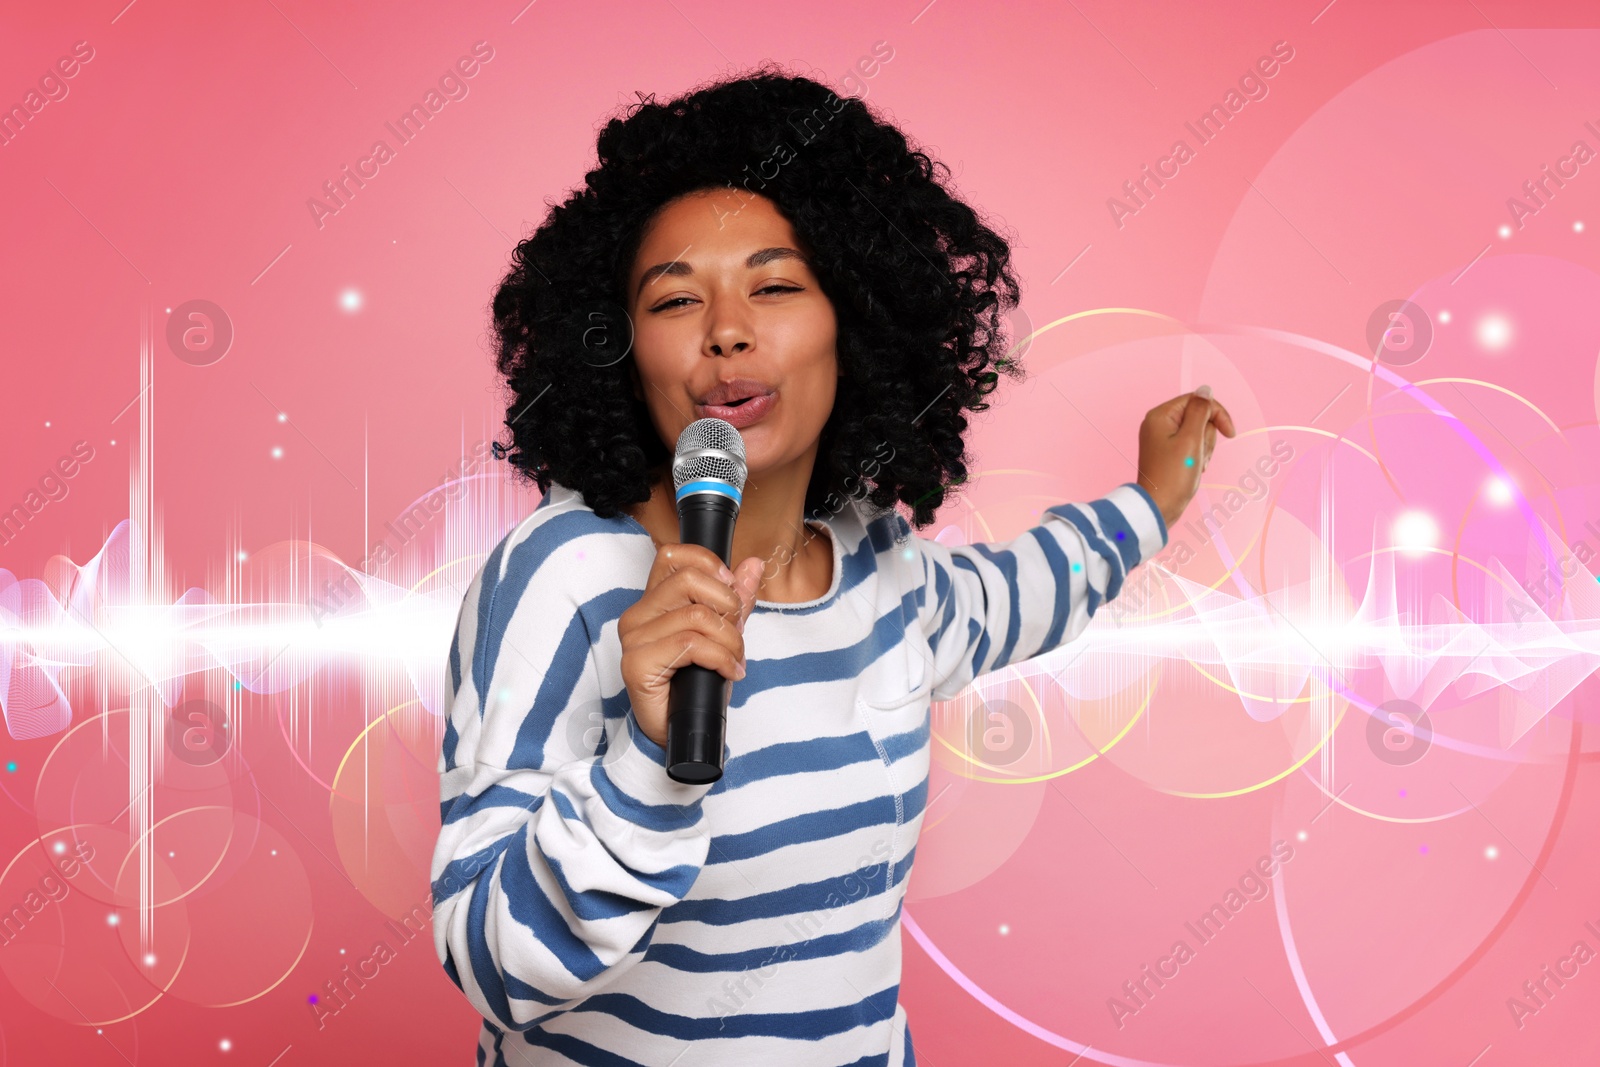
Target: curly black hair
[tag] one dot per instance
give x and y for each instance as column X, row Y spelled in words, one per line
column 919, row 284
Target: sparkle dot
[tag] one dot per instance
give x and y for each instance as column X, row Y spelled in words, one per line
column 169, row 311
column 1493, row 331
column 150, row 960
column 1505, row 231
column 1188, row 461
column 11, row 767
column 277, row 452
column 274, row 852
column 243, row 556
column 1415, row 531
column 225, row 1044
column 1444, row 316
column 1498, row 491
column 1122, row 535
column 61, row 846
column 113, row 440
column 1422, row 849
column 112, row 920
column 47, row 425
column 341, row 952
column 1577, row 227
column 1491, row 852
column 1402, row 792
column 282, row 417
column 171, row 853
column 1301, row 835
column 312, row 999
column 1004, row 929
column 350, row 300
column 1076, row 567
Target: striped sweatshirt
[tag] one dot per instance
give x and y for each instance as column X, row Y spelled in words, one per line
column 596, row 912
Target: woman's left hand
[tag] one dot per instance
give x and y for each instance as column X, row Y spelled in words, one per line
column 1175, row 443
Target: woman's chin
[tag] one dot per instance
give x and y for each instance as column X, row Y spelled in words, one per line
column 763, row 454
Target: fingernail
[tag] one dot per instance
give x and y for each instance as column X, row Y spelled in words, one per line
column 724, row 573
column 1204, row 390
column 742, row 670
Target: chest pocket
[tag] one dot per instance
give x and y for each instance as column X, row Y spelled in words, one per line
column 901, row 678
column 892, row 702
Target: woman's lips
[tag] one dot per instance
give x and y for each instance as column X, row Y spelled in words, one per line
column 743, row 415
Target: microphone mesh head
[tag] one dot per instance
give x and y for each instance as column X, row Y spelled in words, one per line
column 709, row 448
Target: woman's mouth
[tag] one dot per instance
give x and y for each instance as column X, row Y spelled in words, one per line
column 739, row 413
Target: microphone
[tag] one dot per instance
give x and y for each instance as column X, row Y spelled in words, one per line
column 708, row 473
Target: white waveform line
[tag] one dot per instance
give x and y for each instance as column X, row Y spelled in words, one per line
column 1268, row 654
column 166, row 644
column 1260, row 648
column 1268, row 644
column 146, row 581
column 1537, row 660
column 313, row 611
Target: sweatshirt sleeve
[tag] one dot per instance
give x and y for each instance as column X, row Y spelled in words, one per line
column 562, row 836
column 983, row 606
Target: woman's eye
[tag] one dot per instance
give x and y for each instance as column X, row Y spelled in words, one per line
column 678, row 301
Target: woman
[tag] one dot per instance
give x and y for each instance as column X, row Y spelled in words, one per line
column 782, row 259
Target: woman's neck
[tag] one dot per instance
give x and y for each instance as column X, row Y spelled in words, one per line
column 797, row 560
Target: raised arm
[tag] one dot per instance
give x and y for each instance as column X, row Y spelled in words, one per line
column 983, row 606
column 553, row 863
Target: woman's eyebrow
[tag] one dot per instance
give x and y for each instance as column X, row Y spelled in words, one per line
column 759, row 258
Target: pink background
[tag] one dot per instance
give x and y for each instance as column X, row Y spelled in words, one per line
column 1377, row 167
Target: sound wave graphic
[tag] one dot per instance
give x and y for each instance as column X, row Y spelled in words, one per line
column 314, row 612
column 1293, row 633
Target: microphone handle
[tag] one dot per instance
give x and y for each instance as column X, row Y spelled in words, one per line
column 697, row 697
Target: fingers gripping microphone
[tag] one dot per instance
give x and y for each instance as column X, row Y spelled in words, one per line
column 708, row 473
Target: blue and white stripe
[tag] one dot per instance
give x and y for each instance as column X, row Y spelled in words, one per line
column 596, row 912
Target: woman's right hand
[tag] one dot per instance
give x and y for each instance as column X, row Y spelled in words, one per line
column 693, row 610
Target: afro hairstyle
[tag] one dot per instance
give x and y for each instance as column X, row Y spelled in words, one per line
column 920, row 286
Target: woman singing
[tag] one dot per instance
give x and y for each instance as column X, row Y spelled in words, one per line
column 764, row 252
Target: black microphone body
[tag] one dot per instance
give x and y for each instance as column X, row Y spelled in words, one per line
column 709, row 475
column 697, row 698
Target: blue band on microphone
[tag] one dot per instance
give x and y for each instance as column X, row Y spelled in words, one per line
column 711, row 485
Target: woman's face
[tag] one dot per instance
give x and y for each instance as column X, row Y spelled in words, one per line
column 721, row 296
